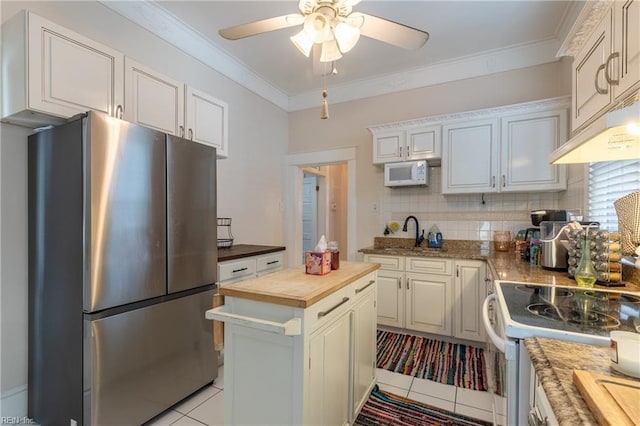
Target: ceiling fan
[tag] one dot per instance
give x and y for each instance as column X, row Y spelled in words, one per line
column 330, row 29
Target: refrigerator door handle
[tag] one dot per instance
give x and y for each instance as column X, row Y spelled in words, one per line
column 293, row 327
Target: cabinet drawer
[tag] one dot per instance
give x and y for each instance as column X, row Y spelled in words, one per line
column 389, row 263
column 329, row 308
column 431, row 265
column 236, row 270
column 269, row 263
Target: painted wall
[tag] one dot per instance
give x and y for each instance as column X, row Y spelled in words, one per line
column 457, row 216
column 250, row 182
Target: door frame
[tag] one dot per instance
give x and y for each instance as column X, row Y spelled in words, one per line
column 294, row 165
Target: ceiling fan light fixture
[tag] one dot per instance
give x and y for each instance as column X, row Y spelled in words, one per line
column 330, row 51
column 302, row 42
column 317, row 27
column 346, row 35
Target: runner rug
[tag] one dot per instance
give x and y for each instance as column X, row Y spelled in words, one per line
column 386, row 409
column 449, row 363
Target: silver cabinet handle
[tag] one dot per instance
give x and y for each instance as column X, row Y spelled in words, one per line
column 239, row 270
column 359, row 290
column 328, row 311
column 181, row 131
column 399, row 284
column 493, row 181
column 607, row 76
column 504, row 181
column 457, row 270
column 119, row 112
column 272, row 262
column 598, row 89
column 408, row 284
column 191, row 134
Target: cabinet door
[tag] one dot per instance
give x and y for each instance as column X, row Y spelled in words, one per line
column 69, row 73
column 470, row 157
column 470, row 292
column 364, row 348
column 207, row 121
column 424, row 143
column 388, row 146
column 153, row 100
column 428, row 302
column 591, row 93
column 626, row 34
column 390, row 298
column 526, row 142
column 329, row 370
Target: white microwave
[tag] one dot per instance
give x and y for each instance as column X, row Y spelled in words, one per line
column 406, row 173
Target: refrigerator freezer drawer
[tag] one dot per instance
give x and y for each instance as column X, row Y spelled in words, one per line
column 141, row 362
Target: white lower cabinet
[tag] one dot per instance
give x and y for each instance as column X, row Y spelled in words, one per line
column 231, row 271
column 432, row 295
column 469, row 293
column 291, row 366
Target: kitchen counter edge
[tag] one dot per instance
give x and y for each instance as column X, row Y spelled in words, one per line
column 239, row 251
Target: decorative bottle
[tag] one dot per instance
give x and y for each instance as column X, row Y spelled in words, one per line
column 585, row 274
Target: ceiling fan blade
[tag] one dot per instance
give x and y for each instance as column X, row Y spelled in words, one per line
column 391, row 32
column 263, row 26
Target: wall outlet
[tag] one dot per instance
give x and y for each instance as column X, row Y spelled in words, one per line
column 374, row 208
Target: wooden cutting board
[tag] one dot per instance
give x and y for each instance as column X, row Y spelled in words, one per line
column 612, row 400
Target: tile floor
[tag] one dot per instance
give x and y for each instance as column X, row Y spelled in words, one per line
column 206, row 407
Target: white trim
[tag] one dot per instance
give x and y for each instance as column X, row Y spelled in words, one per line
column 13, row 402
column 159, row 21
column 294, row 165
column 165, row 25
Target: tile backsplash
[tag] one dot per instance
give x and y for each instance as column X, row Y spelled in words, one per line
column 460, row 216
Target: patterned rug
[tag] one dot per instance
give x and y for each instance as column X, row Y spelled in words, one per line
column 386, row 409
column 449, row 363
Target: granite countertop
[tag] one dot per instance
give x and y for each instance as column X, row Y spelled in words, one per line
column 506, row 266
column 554, row 362
column 238, row 251
column 293, row 287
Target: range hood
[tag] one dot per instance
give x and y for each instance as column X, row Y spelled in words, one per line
column 614, row 136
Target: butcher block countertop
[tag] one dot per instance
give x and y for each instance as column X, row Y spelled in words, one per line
column 293, row 287
column 239, row 251
column 554, row 362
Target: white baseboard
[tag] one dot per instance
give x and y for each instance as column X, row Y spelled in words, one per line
column 13, row 405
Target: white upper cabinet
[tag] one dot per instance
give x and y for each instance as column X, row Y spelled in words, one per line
column 470, row 157
column 403, row 142
column 526, row 142
column 165, row 104
column 51, row 73
column 606, row 65
column 152, row 99
column 207, row 120
column 507, row 152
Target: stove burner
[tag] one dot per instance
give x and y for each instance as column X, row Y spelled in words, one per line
column 574, row 316
column 558, row 292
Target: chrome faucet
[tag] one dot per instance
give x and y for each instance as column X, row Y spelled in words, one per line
column 404, row 228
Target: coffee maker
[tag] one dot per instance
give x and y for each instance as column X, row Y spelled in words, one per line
column 533, row 233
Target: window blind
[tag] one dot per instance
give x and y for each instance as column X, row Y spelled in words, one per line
column 608, row 181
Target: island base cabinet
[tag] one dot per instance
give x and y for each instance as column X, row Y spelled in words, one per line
column 259, row 364
column 328, row 395
column 288, row 365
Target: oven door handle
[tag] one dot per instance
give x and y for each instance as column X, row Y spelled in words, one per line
column 498, row 341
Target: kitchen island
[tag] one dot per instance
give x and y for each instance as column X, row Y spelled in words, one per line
column 299, row 348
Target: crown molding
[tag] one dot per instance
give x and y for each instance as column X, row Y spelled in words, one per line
column 589, row 17
column 561, row 102
column 154, row 18
column 499, row 60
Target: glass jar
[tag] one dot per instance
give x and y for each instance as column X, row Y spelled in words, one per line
column 332, row 246
column 586, row 274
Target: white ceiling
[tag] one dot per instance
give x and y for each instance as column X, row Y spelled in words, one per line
column 467, row 38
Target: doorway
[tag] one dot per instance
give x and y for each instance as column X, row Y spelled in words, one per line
column 314, row 206
column 345, row 232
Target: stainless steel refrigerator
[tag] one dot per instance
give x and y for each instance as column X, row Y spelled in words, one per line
column 122, row 266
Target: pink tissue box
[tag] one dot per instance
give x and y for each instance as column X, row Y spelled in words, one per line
column 317, row 262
